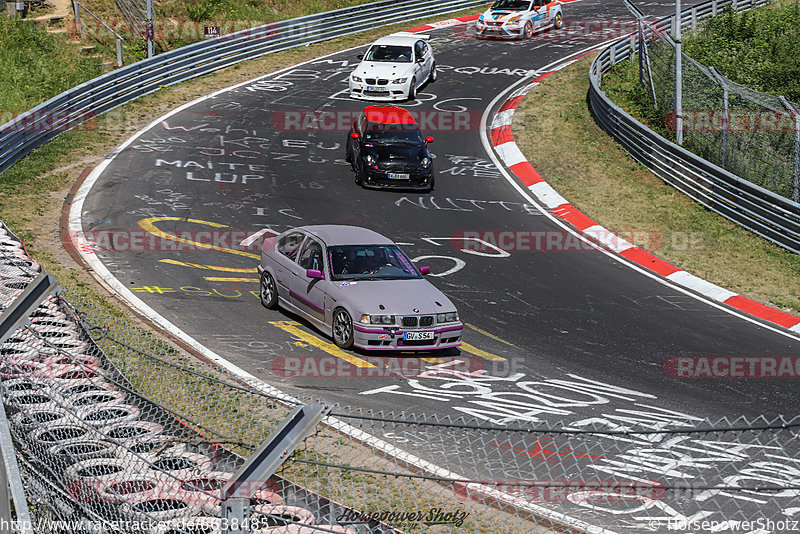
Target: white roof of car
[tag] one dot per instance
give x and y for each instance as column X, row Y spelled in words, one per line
column 402, row 39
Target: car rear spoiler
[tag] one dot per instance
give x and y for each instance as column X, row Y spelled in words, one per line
column 424, row 36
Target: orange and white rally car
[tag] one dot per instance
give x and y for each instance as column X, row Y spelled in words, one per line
column 518, row 18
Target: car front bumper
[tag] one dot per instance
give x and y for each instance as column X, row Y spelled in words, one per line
column 499, row 32
column 379, row 179
column 387, row 93
column 372, row 337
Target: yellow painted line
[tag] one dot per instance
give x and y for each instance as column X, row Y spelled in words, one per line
column 482, row 353
column 291, row 328
column 211, row 267
column 224, row 279
column 487, row 334
column 149, row 225
column 433, row 360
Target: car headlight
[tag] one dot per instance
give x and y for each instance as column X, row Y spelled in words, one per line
column 447, row 317
column 369, row 159
column 426, row 161
column 377, row 319
column 515, row 24
column 399, row 80
column 356, row 78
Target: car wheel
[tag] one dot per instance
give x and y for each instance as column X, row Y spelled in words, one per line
column 412, row 91
column 432, row 77
column 528, row 30
column 268, row 292
column 559, row 22
column 342, row 328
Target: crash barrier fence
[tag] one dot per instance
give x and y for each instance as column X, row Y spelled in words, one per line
column 747, row 175
column 117, row 430
column 77, row 7
column 20, row 136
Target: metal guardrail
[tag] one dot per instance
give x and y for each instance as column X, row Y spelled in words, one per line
column 763, row 212
column 31, row 129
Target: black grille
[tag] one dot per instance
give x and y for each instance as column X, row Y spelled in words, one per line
column 409, row 321
column 383, row 82
column 416, row 342
column 370, row 81
column 426, row 320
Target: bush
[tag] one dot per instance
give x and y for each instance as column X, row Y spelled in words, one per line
column 757, row 48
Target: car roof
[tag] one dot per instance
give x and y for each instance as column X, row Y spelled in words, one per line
column 340, row 234
column 386, row 114
column 401, row 40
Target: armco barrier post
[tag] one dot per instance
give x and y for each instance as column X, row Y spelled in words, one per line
column 235, row 494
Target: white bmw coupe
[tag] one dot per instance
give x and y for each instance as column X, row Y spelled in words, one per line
column 393, row 68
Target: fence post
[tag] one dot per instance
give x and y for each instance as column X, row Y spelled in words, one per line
column 149, row 29
column 713, row 8
column 796, row 163
column 676, row 32
column 694, row 18
column 726, row 122
column 119, row 53
column 77, row 8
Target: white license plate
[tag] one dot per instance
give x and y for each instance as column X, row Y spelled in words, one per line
column 399, row 176
column 417, row 336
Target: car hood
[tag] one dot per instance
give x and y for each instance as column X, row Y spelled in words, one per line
column 398, row 297
column 503, row 15
column 382, row 69
column 400, row 152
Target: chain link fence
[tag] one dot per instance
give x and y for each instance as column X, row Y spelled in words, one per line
column 751, row 134
column 116, row 430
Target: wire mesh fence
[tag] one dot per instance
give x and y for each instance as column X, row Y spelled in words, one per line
column 117, row 430
column 753, row 135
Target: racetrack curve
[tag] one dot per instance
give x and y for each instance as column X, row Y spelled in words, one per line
column 535, row 317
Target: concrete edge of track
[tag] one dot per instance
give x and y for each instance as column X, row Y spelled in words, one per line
column 96, row 268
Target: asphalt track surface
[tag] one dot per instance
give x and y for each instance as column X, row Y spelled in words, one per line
column 536, row 317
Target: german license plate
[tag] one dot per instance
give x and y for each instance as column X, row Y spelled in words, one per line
column 417, row 336
column 399, row 176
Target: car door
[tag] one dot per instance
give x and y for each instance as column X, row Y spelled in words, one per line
column 308, row 294
column 422, row 66
column 355, row 147
column 288, row 250
column 543, row 13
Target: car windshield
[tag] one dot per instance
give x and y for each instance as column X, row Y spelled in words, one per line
column 370, row 262
column 513, row 5
column 393, row 53
column 393, row 134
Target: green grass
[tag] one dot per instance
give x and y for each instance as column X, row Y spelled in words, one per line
column 35, row 66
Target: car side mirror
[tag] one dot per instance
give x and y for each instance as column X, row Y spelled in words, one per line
column 429, row 139
column 420, row 60
column 315, row 273
column 354, row 135
column 360, row 56
column 424, row 270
